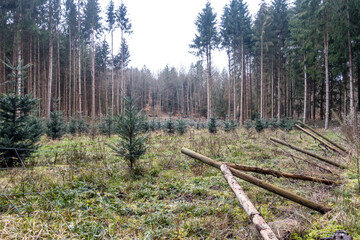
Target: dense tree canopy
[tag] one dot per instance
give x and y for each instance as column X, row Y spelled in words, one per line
column 297, row 60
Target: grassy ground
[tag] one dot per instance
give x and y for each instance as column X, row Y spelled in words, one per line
column 76, row 188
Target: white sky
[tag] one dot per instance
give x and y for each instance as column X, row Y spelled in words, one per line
column 163, row 30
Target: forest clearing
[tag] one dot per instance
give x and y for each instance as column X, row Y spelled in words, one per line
column 77, row 188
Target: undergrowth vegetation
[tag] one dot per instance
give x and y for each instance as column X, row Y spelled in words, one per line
column 78, row 188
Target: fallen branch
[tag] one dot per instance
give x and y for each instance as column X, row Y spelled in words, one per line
column 318, row 139
column 327, row 139
column 282, row 192
column 280, row 174
column 255, row 217
column 321, row 158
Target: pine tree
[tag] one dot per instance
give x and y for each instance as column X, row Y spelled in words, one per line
column 72, row 126
column 259, row 125
column 125, row 26
column 131, row 144
column 181, row 126
column 229, row 126
column 56, row 126
column 107, row 125
column 205, row 41
column 212, row 126
column 19, row 130
column 92, row 25
column 170, row 126
column 111, row 18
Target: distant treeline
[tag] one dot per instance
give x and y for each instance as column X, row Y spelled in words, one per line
column 294, row 60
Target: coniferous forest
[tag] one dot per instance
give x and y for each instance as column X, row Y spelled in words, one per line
column 298, row 60
column 94, row 148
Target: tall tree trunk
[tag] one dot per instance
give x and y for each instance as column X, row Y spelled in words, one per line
column 118, row 92
column 229, row 85
column 305, row 90
column 123, row 85
column 74, row 98
column 69, row 80
column 86, row 106
column 345, row 95
column 35, row 69
column 242, row 83
column 99, row 99
column 279, row 90
column 272, row 90
column 314, row 98
column 38, row 73
column 351, row 78
column 250, row 89
column 29, row 80
column 358, row 83
column 92, row 78
column 79, row 82
column 208, row 83
column 326, row 55
column 19, row 61
column 50, row 77
column 262, row 77
column 234, row 89
column 58, row 81
column 112, row 74
column 106, row 93
column 79, row 62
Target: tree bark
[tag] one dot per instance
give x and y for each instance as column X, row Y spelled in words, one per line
column 277, row 190
column 279, row 90
column 50, row 78
column 262, row 76
column 326, row 55
column 242, row 83
column 208, row 83
column 279, row 174
column 316, row 138
column 321, row 158
column 69, row 79
column 112, row 74
column 272, row 90
column 327, row 139
column 305, row 90
column 254, row 215
column 229, row 85
column 92, row 78
column 352, row 107
column 79, row 63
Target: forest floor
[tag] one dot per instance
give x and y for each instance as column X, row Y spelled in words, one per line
column 77, row 188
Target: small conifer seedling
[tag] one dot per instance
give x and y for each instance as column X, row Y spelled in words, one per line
column 129, row 127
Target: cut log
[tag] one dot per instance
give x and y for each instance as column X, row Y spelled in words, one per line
column 280, row 174
column 254, row 215
column 327, row 139
column 282, row 192
column 318, row 139
column 321, row 158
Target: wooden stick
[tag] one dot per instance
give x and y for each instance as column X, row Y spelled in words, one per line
column 282, row 192
column 316, row 138
column 327, row 139
column 321, row 158
column 255, row 217
column 280, row 174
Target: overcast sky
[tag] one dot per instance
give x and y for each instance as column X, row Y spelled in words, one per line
column 163, row 30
